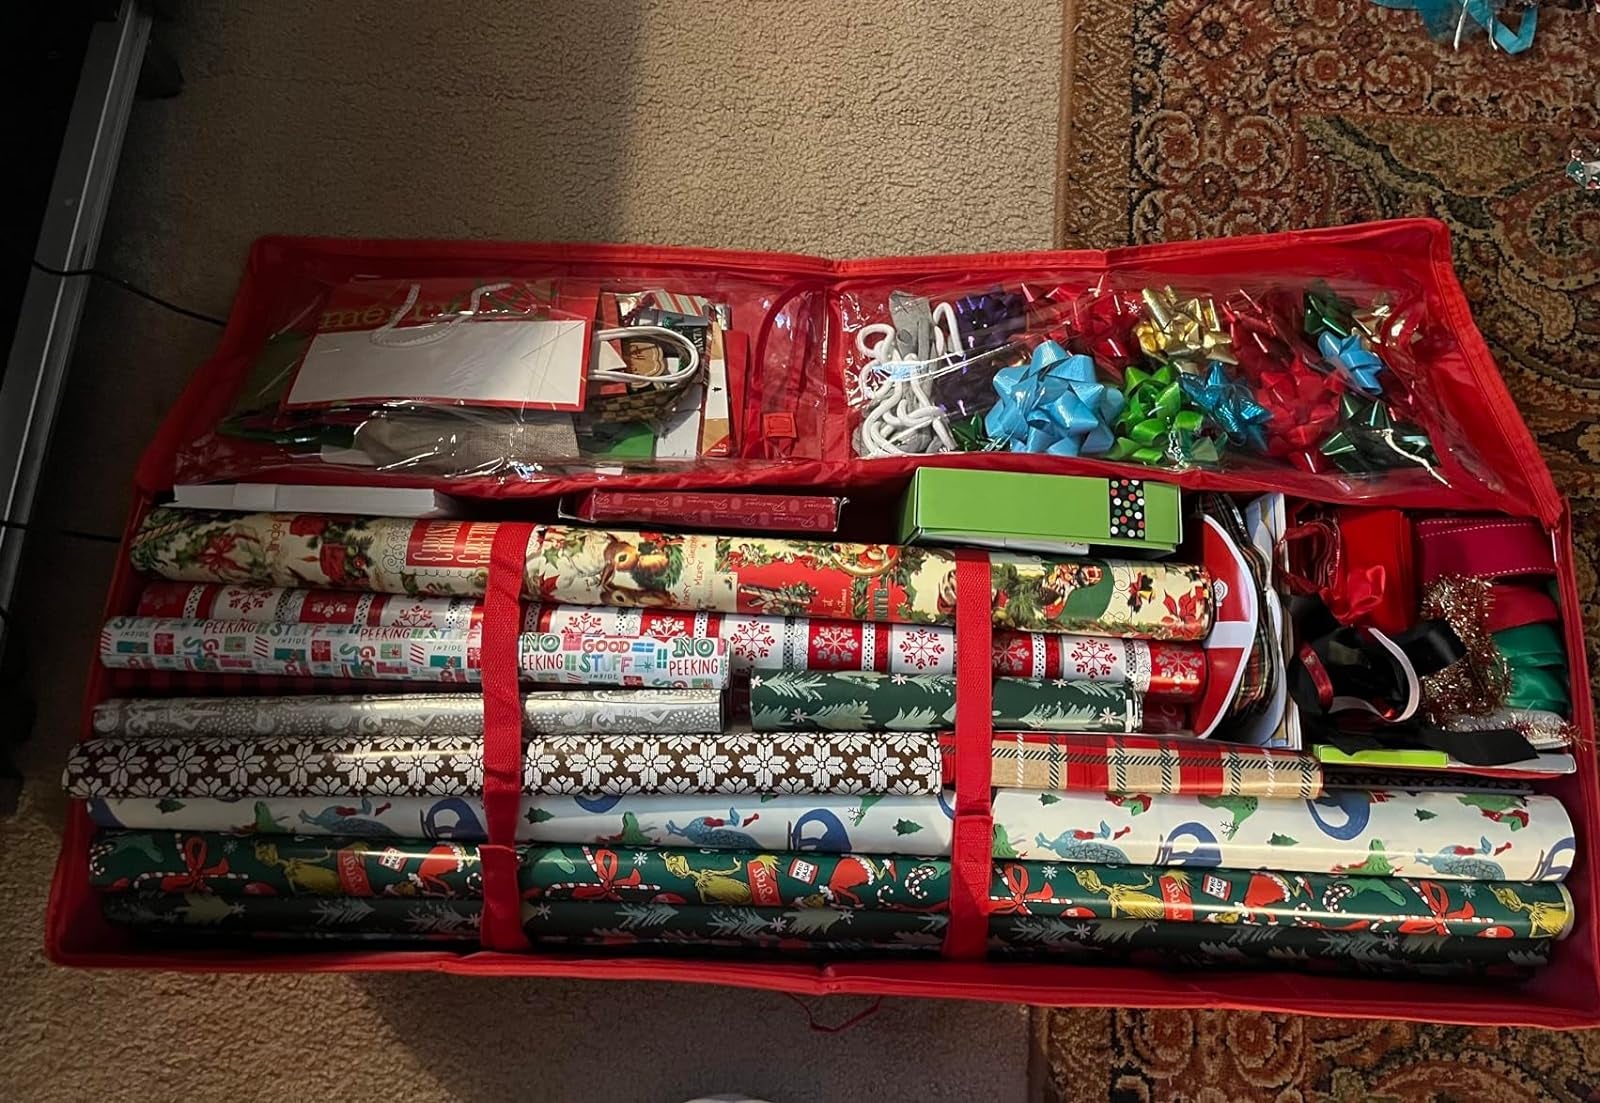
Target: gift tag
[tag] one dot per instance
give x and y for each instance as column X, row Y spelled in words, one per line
column 443, row 342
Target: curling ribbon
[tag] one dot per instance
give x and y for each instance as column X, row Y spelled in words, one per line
column 1053, row 404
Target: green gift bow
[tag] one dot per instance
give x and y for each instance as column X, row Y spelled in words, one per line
column 1369, row 440
column 1158, row 423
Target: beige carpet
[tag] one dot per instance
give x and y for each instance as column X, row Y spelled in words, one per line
column 838, row 127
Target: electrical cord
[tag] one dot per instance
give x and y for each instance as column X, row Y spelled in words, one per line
column 132, row 289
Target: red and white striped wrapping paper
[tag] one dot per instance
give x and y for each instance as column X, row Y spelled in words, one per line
column 282, row 605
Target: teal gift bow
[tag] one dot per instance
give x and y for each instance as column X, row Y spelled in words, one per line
column 1357, row 363
column 1370, row 440
column 1230, row 404
column 1450, row 19
column 1054, row 405
column 1159, row 425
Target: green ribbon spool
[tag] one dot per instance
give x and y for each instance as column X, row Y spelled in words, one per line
column 1158, row 424
column 1537, row 660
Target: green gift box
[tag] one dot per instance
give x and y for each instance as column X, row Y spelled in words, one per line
column 1052, row 514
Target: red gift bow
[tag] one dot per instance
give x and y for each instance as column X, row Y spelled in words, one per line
column 193, row 879
column 1437, row 900
column 1100, row 325
column 604, row 864
column 1304, row 402
column 1016, row 878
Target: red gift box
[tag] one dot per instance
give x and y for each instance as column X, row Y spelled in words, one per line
column 786, row 369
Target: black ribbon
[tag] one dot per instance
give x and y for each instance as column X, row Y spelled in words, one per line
column 1358, row 666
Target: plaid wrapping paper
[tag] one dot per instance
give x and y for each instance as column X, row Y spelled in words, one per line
column 1140, row 764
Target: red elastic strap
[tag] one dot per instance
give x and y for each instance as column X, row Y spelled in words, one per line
column 972, row 839
column 501, row 926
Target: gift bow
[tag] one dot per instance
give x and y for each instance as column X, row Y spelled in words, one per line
column 987, row 321
column 1229, row 403
column 1185, row 332
column 1053, row 404
column 195, row 871
column 1018, row 897
column 1449, row 19
column 1369, row 439
column 604, row 863
column 1304, row 405
column 1358, row 363
column 1157, row 424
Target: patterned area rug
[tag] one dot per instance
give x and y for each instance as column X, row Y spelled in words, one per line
column 1247, row 116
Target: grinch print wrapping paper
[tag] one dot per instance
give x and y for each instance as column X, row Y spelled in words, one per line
column 918, row 826
column 1434, row 834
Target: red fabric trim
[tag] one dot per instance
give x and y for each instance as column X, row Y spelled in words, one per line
column 972, row 840
column 1483, row 547
column 501, row 927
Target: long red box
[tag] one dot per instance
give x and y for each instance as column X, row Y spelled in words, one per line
column 792, row 431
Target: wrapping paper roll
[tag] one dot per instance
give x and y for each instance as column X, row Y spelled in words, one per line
column 644, row 711
column 230, row 767
column 1148, row 764
column 283, row 605
column 1433, row 834
column 391, row 917
column 178, row 862
column 804, row 823
column 1206, row 946
column 861, row 701
column 762, row 925
column 1385, row 905
column 725, row 574
column 1160, row 671
column 409, row 654
column 357, row 919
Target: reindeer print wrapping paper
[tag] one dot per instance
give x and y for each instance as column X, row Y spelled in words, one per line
column 868, row 701
column 223, row 766
column 804, row 823
column 642, row 711
column 650, row 570
column 1432, row 834
column 404, row 654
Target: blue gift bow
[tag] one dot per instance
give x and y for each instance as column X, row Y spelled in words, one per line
column 1053, row 404
column 1359, row 363
column 1230, row 404
column 1443, row 18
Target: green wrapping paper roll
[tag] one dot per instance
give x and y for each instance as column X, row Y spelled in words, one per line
column 848, row 700
column 284, row 915
column 1261, row 898
column 584, row 919
column 228, row 865
column 1201, row 945
column 290, row 865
